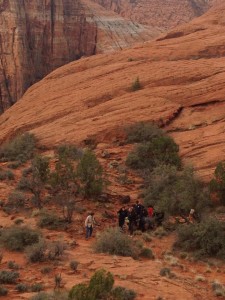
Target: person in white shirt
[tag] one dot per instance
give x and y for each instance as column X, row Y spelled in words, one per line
column 89, row 224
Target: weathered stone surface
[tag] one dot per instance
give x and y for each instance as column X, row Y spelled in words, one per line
column 182, row 75
column 36, row 37
column 163, row 14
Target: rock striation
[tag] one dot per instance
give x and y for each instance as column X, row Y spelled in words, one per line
column 182, row 76
column 36, row 37
column 164, row 14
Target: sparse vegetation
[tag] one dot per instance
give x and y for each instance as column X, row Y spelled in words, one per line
column 90, row 175
column 6, row 175
column 46, row 270
column 16, row 201
column 36, row 287
column 36, row 181
column 20, row 149
column 8, row 277
column 218, row 289
column 50, row 220
column 136, row 85
column 12, row 265
column 17, row 238
column 142, row 132
column 217, row 184
column 147, row 253
column 100, row 287
column 205, row 239
column 3, row 291
column 22, row 287
column 73, row 265
column 113, row 241
column 175, row 191
column 159, row 150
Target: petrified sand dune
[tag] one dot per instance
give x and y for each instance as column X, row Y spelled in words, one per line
column 183, row 88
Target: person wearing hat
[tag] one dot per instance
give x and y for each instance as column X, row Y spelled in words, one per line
column 89, row 224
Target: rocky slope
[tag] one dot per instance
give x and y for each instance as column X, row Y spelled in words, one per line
column 36, row 37
column 183, row 89
column 164, row 14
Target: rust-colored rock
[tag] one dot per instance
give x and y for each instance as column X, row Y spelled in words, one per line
column 164, row 14
column 183, row 88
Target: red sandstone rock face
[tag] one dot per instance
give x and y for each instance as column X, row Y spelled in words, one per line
column 36, row 38
column 183, row 88
column 163, row 14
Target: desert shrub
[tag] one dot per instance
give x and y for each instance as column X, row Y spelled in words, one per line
column 36, row 287
column 22, row 287
column 3, row 291
column 20, row 149
column 17, row 238
column 175, row 191
column 101, row 284
column 165, row 272
column 217, row 184
column 12, row 265
column 147, row 253
column 100, row 287
column 113, row 241
column 27, row 171
column 136, row 85
column 206, row 238
column 37, row 252
column 18, row 221
column 73, row 265
column 161, row 149
column 8, row 277
column 1, row 256
column 46, row 270
column 41, row 296
column 50, row 220
column 14, row 165
column 90, row 174
column 24, row 184
column 122, row 293
column 142, row 132
column 69, row 151
column 16, row 200
column 6, row 175
column 55, row 250
column 218, row 289
column 79, row 292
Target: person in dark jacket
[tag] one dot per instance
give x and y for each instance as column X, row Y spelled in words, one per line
column 132, row 217
column 122, row 214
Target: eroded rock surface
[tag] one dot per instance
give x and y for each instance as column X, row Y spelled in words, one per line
column 182, row 75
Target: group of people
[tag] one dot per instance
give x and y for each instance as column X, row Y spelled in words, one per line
column 137, row 217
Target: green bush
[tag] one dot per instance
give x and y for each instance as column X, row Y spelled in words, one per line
column 79, row 292
column 100, row 287
column 69, row 151
column 36, row 287
column 90, row 174
column 160, row 150
column 20, row 149
column 113, row 241
column 3, row 291
column 36, row 252
column 51, row 221
column 136, row 85
column 8, row 277
column 205, row 239
column 46, row 270
column 17, row 238
column 165, row 272
column 142, row 132
column 217, row 184
column 73, row 265
column 41, row 296
column 22, row 287
column 121, row 293
column 147, row 253
column 14, row 165
column 6, row 175
column 12, row 265
column 16, row 200
column 175, row 192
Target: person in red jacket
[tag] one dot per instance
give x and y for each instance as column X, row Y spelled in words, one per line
column 150, row 211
